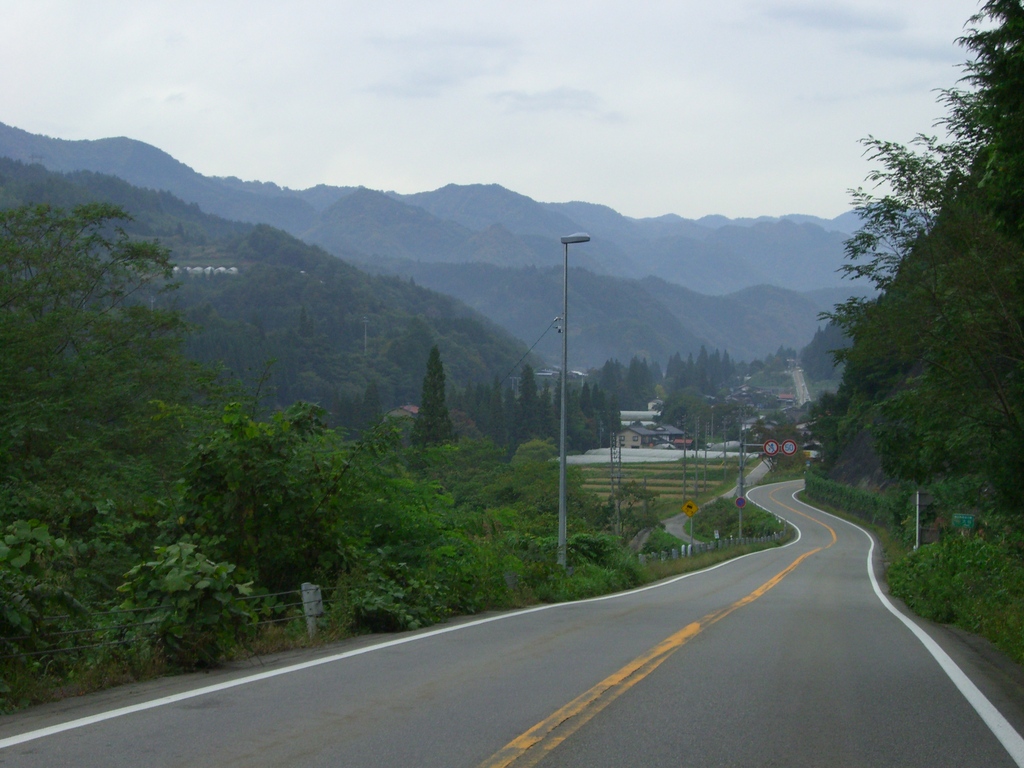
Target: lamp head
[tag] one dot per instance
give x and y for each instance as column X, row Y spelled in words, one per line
column 579, row 237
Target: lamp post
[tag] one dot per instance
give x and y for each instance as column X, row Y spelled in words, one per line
column 579, row 237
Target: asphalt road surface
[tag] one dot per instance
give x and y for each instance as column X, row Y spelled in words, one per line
column 788, row 657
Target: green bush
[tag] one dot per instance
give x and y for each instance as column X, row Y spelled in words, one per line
column 969, row 582
column 661, row 540
column 194, row 606
column 891, row 509
column 25, row 549
column 395, row 599
column 723, row 516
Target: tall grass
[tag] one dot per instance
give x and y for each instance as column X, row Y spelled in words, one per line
column 968, row 582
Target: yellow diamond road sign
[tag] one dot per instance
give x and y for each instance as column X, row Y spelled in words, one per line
column 690, row 508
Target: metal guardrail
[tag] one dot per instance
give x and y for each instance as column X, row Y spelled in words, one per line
column 700, row 548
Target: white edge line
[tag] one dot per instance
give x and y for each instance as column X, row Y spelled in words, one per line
column 992, row 717
column 82, row 722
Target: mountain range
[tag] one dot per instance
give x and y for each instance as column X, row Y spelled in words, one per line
column 280, row 316
column 646, row 287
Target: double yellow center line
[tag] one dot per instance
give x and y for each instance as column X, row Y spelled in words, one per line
column 531, row 747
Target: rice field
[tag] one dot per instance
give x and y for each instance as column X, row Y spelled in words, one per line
column 703, row 481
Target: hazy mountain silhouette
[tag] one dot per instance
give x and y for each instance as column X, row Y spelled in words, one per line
column 684, row 277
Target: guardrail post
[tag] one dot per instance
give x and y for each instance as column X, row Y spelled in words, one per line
column 312, row 606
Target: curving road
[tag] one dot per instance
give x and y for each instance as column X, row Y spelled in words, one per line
column 788, row 657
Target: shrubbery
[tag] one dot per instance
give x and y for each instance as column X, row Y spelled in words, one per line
column 889, row 510
column 969, row 582
column 723, row 516
column 192, row 604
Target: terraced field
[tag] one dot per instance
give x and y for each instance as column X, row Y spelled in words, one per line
column 666, row 480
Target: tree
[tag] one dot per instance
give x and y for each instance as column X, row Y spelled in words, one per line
column 535, row 450
column 529, row 422
column 989, row 121
column 639, row 383
column 818, row 358
column 433, row 425
column 371, row 410
column 937, row 358
column 84, row 354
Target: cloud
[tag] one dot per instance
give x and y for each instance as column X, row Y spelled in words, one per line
column 419, row 83
column 922, row 50
column 556, row 100
column 835, row 18
column 880, row 34
column 426, row 64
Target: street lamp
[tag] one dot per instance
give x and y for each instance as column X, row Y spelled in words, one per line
column 579, row 237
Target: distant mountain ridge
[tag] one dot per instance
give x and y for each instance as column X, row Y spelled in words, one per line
column 672, row 265
column 799, row 252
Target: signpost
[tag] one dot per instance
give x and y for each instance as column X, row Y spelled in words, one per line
column 690, row 509
column 961, row 520
column 789, row 447
column 770, row 447
column 741, row 502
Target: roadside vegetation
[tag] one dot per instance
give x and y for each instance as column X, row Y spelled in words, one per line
column 155, row 516
column 973, row 579
column 716, row 524
column 931, row 394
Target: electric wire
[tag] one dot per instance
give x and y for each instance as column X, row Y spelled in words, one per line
column 538, row 341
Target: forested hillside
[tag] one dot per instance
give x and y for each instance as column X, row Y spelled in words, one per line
column 718, row 263
column 313, row 326
column 153, row 510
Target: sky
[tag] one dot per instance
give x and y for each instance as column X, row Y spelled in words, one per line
column 736, row 107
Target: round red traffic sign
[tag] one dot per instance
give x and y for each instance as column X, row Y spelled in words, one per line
column 771, row 447
column 741, row 502
column 789, row 447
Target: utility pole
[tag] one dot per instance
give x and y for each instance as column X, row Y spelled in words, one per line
column 696, row 462
column 740, row 483
column 366, row 320
column 615, row 472
column 686, row 478
column 707, row 439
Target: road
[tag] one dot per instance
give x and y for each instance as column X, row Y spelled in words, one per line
column 803, row 394
column 678, row 525
column 787, row 657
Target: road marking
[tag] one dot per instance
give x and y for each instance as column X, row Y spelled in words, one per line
column 163, row 701
column 831, row 530
column 530, row 747
column 992, row 717
column 1007, row 735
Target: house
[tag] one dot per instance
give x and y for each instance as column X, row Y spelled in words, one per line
column 658, row 436
column 404, row 412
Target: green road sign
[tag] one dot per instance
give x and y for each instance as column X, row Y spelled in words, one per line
column 963, row 521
